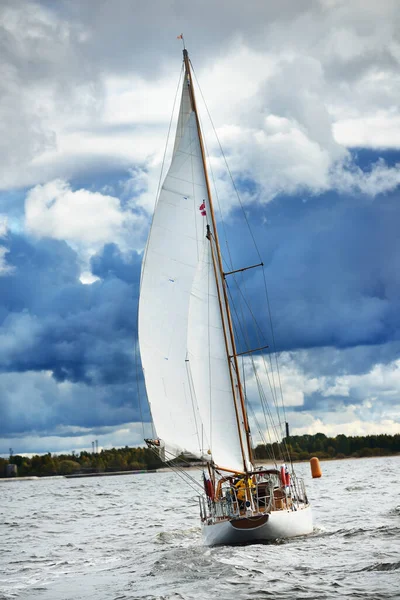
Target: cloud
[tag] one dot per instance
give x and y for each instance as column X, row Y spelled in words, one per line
column 62, row 408
column 68, row 347
column 330, row 269
column 44, row 82
column 111, row 262
column 354, row 404
column 350, row 426
column 376, row 131
column 380, row 179
column 52, row 322
column 67, row 440
column 288, row 143
column 294, row 90
column 4, row 267
column 81, row 217
column 299, row 80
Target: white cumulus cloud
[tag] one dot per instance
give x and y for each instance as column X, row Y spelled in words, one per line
column 354, row 404
column 81, row 217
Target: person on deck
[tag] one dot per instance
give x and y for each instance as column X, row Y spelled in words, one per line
column 241, row 488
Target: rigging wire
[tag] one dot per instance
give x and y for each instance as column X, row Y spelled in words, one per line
column 270, row 449
column 194, row 483
column 264, row 404
column 239, row 323
column 273, row 386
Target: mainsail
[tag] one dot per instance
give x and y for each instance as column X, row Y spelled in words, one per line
column 182, row 326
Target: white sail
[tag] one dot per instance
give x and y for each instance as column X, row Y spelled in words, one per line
column 169, row 266
column 181, row 327
column 210, row 370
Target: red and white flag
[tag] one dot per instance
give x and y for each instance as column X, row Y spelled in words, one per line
column 202, row 209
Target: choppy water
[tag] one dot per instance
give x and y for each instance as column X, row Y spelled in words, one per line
column 138, row 536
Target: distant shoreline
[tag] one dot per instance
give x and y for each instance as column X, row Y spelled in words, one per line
column 76, row 475
column 258, row 463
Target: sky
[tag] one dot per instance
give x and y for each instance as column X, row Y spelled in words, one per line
column 304, row 99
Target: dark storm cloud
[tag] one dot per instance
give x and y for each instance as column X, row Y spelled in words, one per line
column 317, row 402
column 38, row 405
column 335, row 362
column 80, row 334
column 111, row 263
column 330, row 265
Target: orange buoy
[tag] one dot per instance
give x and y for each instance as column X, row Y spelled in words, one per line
column 315, row 467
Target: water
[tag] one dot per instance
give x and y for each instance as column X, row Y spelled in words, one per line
column 138, row 537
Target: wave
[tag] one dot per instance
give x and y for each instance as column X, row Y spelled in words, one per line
column 167, row 537
column 394, row 512
column 383, row 567
column 355, row 488
column 382, row 531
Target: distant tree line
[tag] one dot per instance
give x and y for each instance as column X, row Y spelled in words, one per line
column 122, row 459
column 303, row 447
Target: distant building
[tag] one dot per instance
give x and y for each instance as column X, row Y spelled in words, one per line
column 11, row 471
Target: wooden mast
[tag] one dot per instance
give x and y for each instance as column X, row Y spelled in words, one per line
column 218, row 268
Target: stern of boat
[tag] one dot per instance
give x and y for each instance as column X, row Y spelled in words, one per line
column 269, row 512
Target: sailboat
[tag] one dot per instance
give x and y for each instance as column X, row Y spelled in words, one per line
column 190, row 360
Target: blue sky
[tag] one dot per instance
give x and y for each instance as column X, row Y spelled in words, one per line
column 304, row 98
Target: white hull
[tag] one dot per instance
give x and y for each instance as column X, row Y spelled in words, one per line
column 280, row 524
